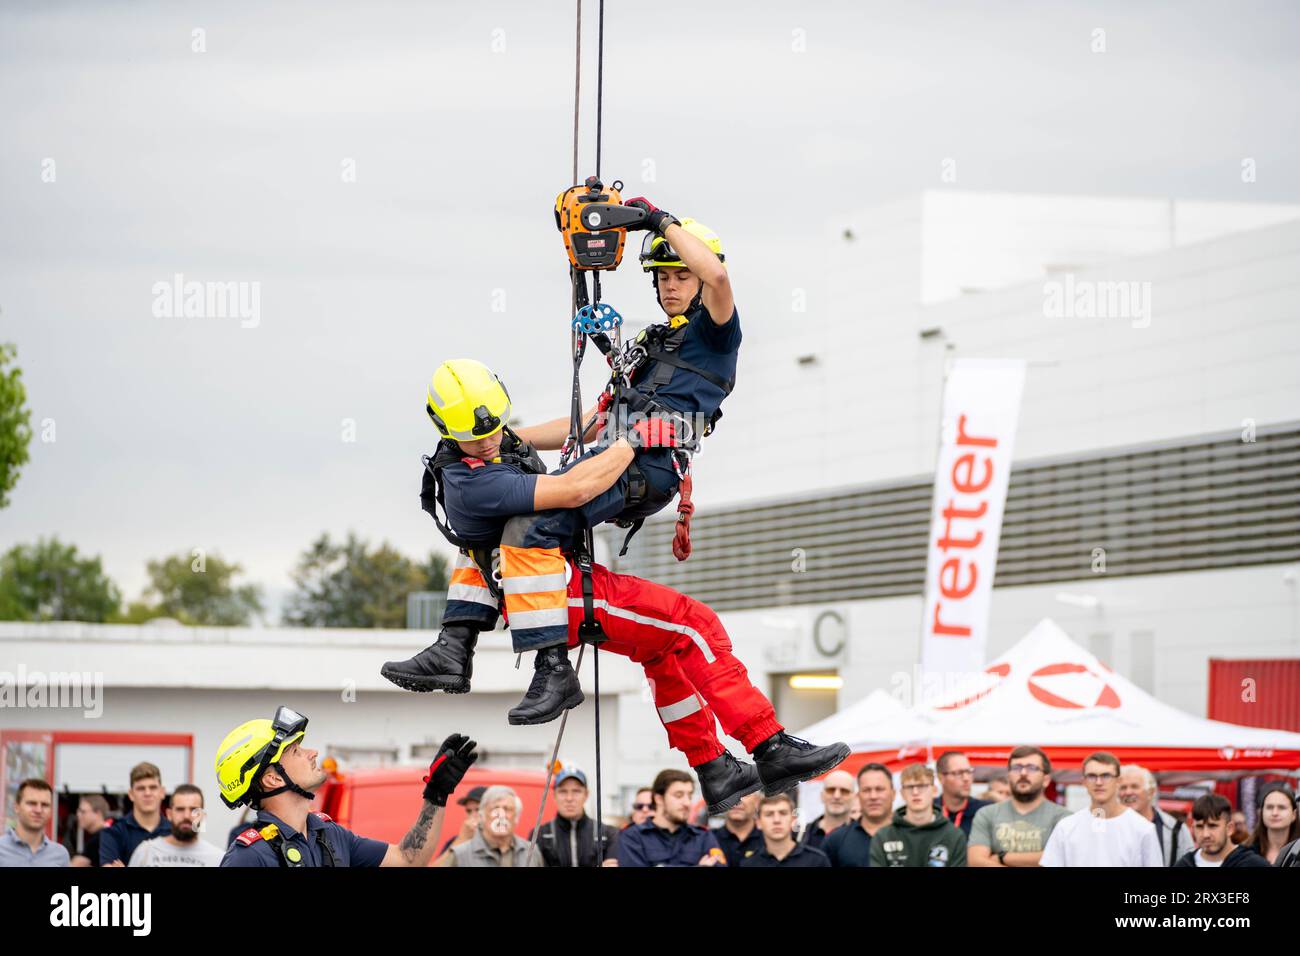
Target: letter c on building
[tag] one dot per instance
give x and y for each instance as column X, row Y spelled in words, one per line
column 817, row 633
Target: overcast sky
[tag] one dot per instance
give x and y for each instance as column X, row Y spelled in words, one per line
column 767, row 120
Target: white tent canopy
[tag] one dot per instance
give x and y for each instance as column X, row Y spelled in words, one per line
column 1050, row 692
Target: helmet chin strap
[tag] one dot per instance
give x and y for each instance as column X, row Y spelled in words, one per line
column 288, row 786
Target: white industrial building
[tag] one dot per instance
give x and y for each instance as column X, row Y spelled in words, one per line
column 1167, row 436
column 1170, row 439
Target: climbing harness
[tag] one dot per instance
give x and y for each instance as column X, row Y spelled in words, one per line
column 514, row 451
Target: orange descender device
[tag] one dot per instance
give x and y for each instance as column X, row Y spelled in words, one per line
column 594, row 221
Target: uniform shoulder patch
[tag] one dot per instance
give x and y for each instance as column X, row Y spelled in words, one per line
column 322, row 816
column 248, row 837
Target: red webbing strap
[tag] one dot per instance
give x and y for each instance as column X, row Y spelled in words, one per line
column 685, row 508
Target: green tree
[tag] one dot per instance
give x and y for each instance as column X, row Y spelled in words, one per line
column 48, row 581
column 15, row 422
column 197, row 590
column 437, row 573
column 349, row 584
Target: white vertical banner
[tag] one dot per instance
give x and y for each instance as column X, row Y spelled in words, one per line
column 981, row 406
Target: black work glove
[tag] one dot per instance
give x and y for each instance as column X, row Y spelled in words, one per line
column 656, row 219
column 454, row 757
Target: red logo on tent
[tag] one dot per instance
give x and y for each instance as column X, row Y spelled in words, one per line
column 1001, row 670
column 1106, row 696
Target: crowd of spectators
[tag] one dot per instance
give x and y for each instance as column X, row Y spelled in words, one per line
column 923, row 816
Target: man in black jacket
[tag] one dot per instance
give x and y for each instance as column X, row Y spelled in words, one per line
column 569, row 839
column 1211, row 818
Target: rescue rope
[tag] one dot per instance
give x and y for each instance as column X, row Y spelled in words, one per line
column 577, row 428
column 590, row 542
column 550, row 767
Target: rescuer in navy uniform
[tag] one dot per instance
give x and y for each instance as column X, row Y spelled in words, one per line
column 263, row 763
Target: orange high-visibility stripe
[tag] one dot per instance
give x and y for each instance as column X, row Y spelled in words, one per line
column 471, row 576
column 541, row 601
column 520, row 562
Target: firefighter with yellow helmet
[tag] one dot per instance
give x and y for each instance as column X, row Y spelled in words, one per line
column 263, row 763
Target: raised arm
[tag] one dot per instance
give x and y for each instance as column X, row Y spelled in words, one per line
column 704, row 265
column 453, row 759
column 698, row 257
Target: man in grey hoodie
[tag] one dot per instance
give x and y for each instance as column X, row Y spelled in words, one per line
column 919, row 835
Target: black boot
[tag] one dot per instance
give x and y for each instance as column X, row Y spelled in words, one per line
column 446, row 664
column 554, row 689
column 784, row 762
column 724, row 781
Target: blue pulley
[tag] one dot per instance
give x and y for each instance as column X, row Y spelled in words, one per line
column 593, row 319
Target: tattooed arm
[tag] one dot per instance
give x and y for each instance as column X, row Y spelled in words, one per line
column 416, row 848
column 448, row 768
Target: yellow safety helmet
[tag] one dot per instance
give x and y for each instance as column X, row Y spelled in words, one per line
column 656, row 251
column 467, row 400
column 252, row 747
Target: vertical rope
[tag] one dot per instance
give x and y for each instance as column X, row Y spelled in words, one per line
column 598, row 823
column 577, row 85
column 577, row 340
column 600, row 80
column 550, row 768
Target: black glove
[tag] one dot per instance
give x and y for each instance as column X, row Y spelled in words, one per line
column 454, row 757
column 656, row 219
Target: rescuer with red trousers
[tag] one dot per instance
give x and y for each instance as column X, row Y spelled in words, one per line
column 494, row 489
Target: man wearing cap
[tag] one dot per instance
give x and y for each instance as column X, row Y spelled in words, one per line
column 569, row 839
column 468, row 826
column 263, row 763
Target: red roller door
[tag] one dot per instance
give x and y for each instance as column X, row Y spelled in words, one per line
column 1257, row 693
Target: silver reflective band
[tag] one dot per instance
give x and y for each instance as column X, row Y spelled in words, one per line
column 533, row 583
column 690, row 632
column 547, row 617
column 233, row 747
column 683, row 708
column 472, row 594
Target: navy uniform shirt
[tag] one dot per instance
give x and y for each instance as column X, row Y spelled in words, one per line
column 814, row 836
column 963, row 818
column 118, row 840
column 801, row 855
column 705, row 345
column 481, row 498
column 349, row 849
column 848, row 846
column 648, row 845
column 713, row 348
column 735, row 849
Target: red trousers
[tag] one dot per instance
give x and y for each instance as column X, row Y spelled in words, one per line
column 687, row 658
